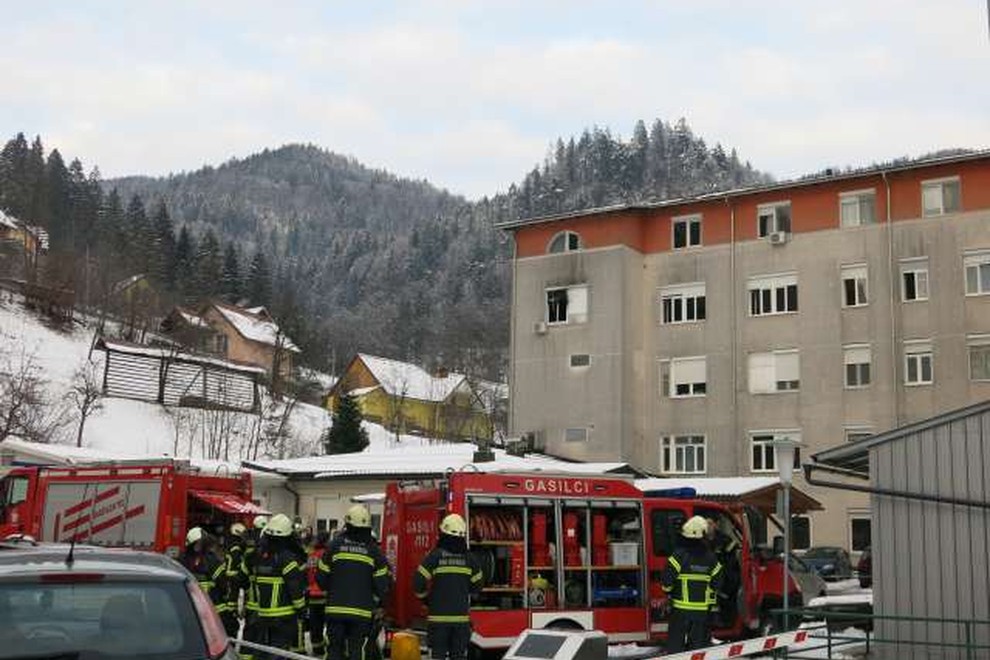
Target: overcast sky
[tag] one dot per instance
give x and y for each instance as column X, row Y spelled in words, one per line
column 470, row 94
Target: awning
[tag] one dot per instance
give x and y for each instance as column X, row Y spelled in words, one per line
column 758, row 492
column 229, row 503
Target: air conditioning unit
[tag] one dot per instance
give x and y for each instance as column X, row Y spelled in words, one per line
column 778, row 237
column 540, row 327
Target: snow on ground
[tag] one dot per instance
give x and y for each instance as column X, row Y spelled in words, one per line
column 843, row 586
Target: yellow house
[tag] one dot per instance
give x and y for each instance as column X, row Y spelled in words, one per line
column 407, row 398
column 16, row 233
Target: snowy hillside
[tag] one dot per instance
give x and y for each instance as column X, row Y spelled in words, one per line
column 138, row 428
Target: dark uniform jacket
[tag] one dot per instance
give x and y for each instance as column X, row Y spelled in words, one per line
column 210, row 574
column 692, row 577
column 277, row 583
column 354, row 575
column 233, row 570
column 447, row 580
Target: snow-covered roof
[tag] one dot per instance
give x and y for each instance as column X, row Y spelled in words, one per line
column 123, row 284
column 401, row 379
column 163, row 352
column 711, row 486
column 426, row 461
column 252, row 326
column 193, row 319
column 7, row 221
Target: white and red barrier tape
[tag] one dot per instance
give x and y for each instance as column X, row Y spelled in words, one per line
column 744, row 648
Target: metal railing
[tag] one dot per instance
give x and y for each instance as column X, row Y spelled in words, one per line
column 967, row 639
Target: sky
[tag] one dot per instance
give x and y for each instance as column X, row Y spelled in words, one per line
column 470, row 94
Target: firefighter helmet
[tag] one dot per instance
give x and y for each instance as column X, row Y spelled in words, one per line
column 260, row 522
column 195, row 534
column 237, row 529
column 695, row 528
column 454, row 525
column 279, row 525
column 358, row 516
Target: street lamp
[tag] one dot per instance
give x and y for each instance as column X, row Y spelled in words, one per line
column 784, row 448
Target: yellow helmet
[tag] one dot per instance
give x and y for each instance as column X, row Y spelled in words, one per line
column 358, row 516
column 195, row 534
column 237, row 529
column 279, row 525
column 695, row 528
column 260, row 522
column 453, row 524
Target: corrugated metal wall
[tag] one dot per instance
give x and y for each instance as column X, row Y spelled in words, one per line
column 930, row 559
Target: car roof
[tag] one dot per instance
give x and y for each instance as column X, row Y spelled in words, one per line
column 27, row 559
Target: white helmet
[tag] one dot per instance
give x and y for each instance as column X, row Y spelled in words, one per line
column 358, row 516
column 453, row 525
column 279, row 525
column 260, row 522
column 695, row 528
column 237, row 529
column 195, row 534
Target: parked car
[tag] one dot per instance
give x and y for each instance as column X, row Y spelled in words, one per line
column 810, row 582
column 830, row 562
column 865, row 569
column 87, row 603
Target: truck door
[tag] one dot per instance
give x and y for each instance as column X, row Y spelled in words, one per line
column 665, row 522
column 15, row 515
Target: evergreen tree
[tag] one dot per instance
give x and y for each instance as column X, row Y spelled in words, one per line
column 259, row 281
column 209, row 266
column 38, row 213
column 59, row 202
column 163, row 262
column 346, row 436
column 185, row 264
column 15, row 187
column 230, row 280
column 138, row 237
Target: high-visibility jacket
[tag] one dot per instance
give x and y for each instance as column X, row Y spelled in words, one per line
column 277, row 584
column 355, row 576
column 314, row 592
column 233, row 570
column 210, row 573
column 691, row 578
column 447, row 580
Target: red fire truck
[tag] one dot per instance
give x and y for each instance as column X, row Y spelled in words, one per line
column 146, row 505
column 571, row 551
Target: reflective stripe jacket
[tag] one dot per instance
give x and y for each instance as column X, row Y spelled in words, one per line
column 355, row 577
column 447, row 580
column 233, row 568
column 692, row 578
column 278, row 586
column 210, row 574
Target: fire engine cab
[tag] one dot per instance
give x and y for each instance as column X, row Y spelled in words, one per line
column 565, row 551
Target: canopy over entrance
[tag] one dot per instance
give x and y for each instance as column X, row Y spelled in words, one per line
column 757, row 492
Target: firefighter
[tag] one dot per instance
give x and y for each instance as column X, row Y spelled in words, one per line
column 446, row 579
column 251, row 540
column 356, row 578
column 278, row 588
column 316, row 598
column 206, row 567
column 233, row 560
column 691, row 579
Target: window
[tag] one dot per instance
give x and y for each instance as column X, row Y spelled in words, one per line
column 979, row 357
column 977, row 265
column 683, row 454
column 856, row 359
column 683, row 303
column 688, row 376
column 565, row 241
column 858, row 208
column 763, row 451
column 918, row 363
column 775, row 294
column 800, row 532
column 772, row 218
column 914, row 279
column 579, row 360
column 576, row 435
column 776, row 371
column 854, row 286
column 860, row 533
column 687, row 231
column 666, row 524
column 857, row 433
column 567, row 305
column 940, row 196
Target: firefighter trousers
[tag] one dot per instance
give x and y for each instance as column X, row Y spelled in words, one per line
column 349, row 638
column 688, row 630
column 316, row 628
column 279, row 632
column 231, row 623
column 449, row 640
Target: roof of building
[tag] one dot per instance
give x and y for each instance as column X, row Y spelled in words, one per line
column 255, row 324
column 751, row 190
column 402, row 379
column 760, row 492
column 424, row 462
column 170, row 353
column 856, row 455
column 8, row 221
column 126, row 283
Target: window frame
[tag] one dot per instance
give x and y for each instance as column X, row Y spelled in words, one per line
column 672, row 393
column 858, row 195
column 914, row 266
column 767, row 444
column 977, row 342
column 774, row 284
column 567, row 313
column 567, row 235
column 668, row 452
column 811, row 536
column 941, row 182
column 775, row 220
column 848, row 348
column 918, row 353
column 684, row 293
column 776, row 372
column 567, row 431
column 689, row 220
column 977, row 259
column 854, row 270
column 854, row 516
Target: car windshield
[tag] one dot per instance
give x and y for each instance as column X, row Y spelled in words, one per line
column 98, row 620
column 822, row 553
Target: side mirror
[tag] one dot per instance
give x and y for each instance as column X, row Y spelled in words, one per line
column 778, row 545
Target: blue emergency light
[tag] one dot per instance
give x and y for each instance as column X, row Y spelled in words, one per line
column 684, row 493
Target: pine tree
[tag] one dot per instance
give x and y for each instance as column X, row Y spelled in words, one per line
column 138, row 236
column 163, row 264
column 209, row 266
column 230, row 280
column 259, row 281
column 59, row 202
column 15, row 189
column 185, row 264
column 346, row 436
column 38, row 213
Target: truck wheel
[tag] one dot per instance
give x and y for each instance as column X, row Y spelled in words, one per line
column 564, row 624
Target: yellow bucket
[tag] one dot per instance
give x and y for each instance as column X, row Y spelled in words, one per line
column 405, row 646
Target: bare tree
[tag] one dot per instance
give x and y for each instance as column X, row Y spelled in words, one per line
column 22, row 397
column 86, row 395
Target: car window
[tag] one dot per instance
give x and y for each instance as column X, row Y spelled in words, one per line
column 797, row 566
column 99, row 620
column 666, row 524
column 821, row 553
